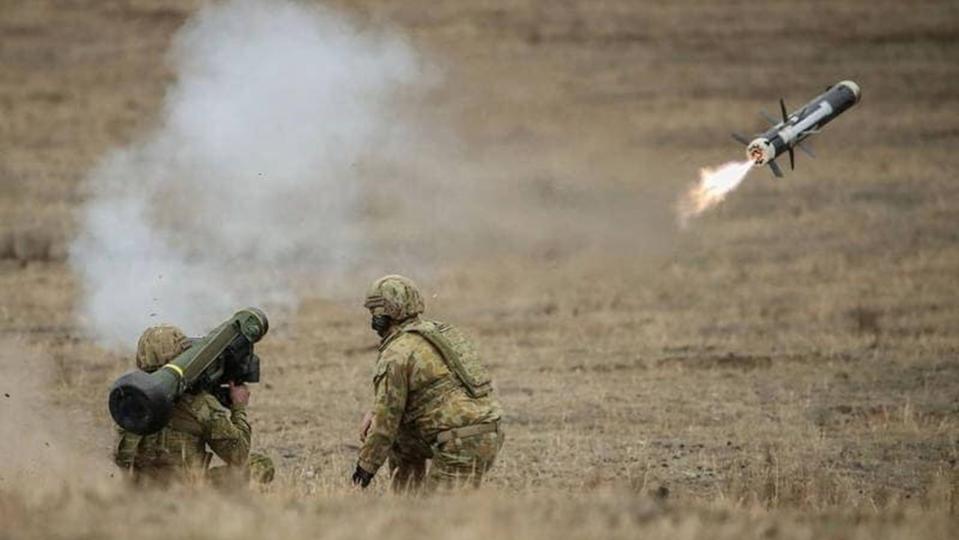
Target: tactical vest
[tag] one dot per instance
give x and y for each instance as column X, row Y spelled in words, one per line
column 459, row 354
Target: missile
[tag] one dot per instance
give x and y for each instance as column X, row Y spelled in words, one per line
column 788, row 134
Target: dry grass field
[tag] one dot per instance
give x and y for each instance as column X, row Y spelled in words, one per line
column 787, row 366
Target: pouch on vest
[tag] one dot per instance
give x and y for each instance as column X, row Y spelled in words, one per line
column 459, row 355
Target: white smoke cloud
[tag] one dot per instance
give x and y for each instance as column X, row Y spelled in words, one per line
column 297, row 151
column 252, row 170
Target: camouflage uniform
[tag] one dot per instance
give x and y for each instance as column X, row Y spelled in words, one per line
column 178, row 451
column 429, row 387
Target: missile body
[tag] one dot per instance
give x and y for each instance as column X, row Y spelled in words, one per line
column 788, row 134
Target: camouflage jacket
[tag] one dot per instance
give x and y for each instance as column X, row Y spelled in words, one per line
column 415, row 392
column 198, row 420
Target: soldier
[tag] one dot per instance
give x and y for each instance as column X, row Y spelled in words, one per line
column 178, row 451
column 433, row 398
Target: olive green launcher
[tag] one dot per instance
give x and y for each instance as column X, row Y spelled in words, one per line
column 143, row 402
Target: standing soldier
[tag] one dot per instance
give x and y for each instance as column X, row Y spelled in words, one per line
column 178, row 451
column 433, row 398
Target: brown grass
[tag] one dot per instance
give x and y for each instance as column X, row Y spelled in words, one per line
column 784, row 368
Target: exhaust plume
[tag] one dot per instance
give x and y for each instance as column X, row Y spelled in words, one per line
column 714, row 184
column 251, row 172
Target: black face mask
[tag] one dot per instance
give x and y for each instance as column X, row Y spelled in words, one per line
column 382, row 324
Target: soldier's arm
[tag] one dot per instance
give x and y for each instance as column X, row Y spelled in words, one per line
column 228, row 432
column 126, row 450
column 391, row 386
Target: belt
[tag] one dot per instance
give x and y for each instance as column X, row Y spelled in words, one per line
column 466, row 432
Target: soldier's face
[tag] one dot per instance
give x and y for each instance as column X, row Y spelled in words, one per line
column 380, row 321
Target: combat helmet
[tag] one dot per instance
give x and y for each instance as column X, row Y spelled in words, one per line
column 397, row 295
column 158, row 345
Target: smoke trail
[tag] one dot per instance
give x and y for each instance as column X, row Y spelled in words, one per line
column 252, row 170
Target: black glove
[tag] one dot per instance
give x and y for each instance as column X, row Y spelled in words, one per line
column 361, row 477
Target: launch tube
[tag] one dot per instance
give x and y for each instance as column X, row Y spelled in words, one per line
column 143, row 402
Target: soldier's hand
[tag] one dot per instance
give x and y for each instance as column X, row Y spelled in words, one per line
column 365, row 425
column 239, row 394
column 361, row 477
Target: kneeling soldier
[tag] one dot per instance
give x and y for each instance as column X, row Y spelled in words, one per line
column 178, row 451
column 433, row 398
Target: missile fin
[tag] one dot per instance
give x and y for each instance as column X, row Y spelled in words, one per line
column 775, row 168
column 782, row 107
column 806, row 149
column 740, row 138
column 792, row 160
column 769, row 118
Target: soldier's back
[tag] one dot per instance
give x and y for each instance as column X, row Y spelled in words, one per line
column 179, row 449
column 439, row 399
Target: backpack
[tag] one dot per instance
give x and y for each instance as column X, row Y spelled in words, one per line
column 459, row 354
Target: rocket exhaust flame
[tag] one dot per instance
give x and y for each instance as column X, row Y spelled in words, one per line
column 714, row 184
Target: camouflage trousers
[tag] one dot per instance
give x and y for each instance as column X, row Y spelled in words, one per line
column 259, row 469
column 453, row 464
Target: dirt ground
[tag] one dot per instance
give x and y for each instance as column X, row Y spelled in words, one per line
column 786, row 366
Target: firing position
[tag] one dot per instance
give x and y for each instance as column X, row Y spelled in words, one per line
column 433, row 399
column 178, row 451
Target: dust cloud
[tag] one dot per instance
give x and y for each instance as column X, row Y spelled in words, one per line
column 44, row 444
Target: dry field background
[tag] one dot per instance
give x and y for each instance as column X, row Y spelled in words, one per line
column 784, row 367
